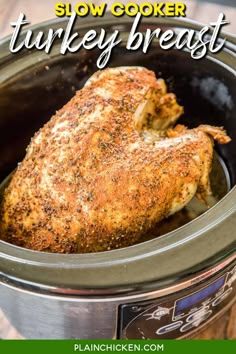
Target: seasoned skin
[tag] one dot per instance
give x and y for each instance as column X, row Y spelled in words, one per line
column 107, row 167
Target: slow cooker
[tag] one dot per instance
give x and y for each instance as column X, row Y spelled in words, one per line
column 169, row 286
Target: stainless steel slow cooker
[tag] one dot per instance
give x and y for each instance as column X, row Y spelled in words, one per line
column 166, row 287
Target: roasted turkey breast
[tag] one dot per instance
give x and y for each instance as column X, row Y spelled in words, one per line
column 107, row 167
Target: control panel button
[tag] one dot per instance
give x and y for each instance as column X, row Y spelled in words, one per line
column 222, row 297
column 157, row 314
column 194, row 316
column 170, row 327
column 196, row 322
column 187, row 327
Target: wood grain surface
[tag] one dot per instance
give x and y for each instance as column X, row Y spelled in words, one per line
column 38, row 11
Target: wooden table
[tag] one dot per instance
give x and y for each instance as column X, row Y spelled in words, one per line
column 38, row 11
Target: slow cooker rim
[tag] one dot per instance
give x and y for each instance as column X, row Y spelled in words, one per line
column 125, row 19
column 18, row 255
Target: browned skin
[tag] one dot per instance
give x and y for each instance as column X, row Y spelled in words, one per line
column 98, row 175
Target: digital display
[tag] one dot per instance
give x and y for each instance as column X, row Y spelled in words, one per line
column 189, row 301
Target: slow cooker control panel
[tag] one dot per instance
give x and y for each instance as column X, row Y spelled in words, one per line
column 180, row 314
